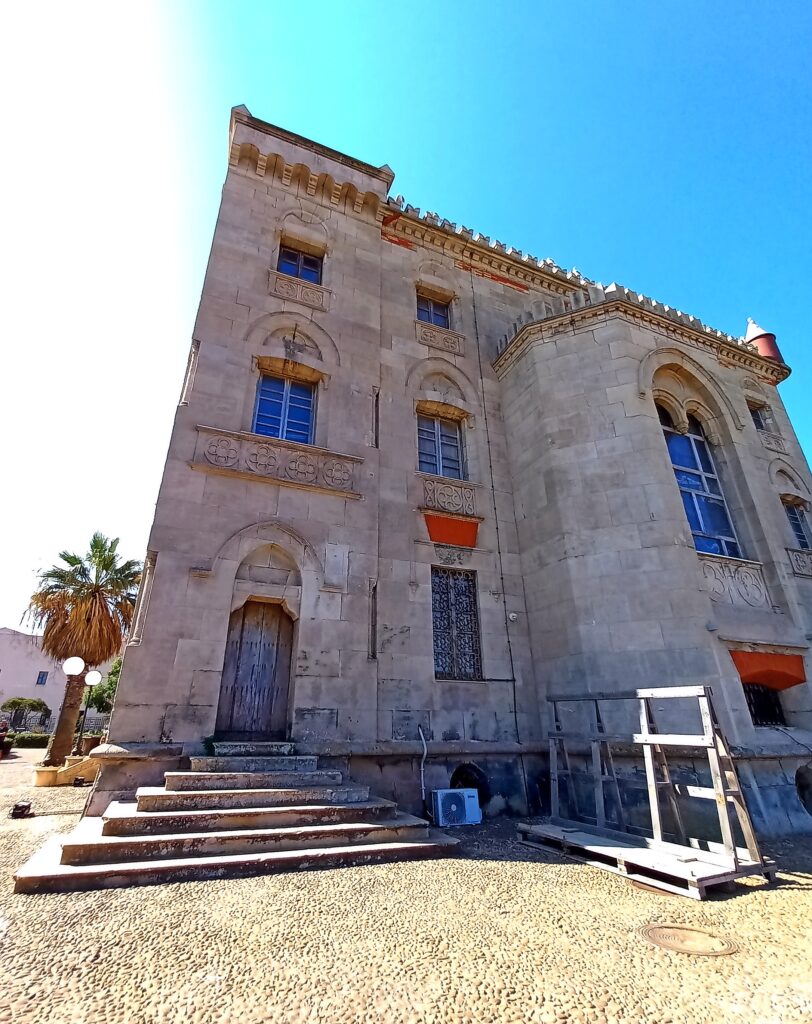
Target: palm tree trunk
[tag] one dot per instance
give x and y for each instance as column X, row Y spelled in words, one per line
column 62, row 740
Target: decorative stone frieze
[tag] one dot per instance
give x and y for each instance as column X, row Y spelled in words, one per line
column 309, row 294
column 282, row 462
column 801, row 561
column 734, row 581
column 458, row 499
column 448, row 554
column 440, row 338
column 773, row 441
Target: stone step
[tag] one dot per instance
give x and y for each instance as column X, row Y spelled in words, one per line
column 184, row 781
column 254, row 764
column 157, row 798
column 248, row 748
column 87, row 845
column 124, row 819
column 44, row 872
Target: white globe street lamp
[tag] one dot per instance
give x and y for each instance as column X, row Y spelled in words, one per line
column 93, row 678
column 73, row 666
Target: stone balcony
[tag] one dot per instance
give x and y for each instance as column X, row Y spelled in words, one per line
column 735, row 581
column 801, row 561
column 772, row 441
column 284, row 286
column 256, row 457
column 440, row 338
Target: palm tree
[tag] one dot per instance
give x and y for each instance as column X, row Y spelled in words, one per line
column 85, row 608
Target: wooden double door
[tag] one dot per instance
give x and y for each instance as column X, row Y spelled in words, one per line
column 255, row 688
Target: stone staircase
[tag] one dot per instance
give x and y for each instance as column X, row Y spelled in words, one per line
column 252, row 808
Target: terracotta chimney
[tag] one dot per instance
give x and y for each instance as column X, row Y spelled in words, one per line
column 763, row 340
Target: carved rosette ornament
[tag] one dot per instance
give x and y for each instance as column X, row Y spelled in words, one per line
column 457, row 499
column 734, row 581
column 284, row 462
column 302, row 468
column 222, row 451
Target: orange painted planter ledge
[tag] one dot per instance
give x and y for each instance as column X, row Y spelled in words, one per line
column 461, row 531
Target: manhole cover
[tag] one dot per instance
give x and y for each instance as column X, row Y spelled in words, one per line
column 682, row 939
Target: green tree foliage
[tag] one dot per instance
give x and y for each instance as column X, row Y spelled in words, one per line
column 102, row 696
column 30, row 705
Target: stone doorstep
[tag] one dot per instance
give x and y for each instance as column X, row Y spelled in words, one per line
column 124, row 819
column 257, row 814
column 250, row 749
column 307, row 763
column 87, row 845
column 44, row 872
column 186, row 781
column 157, row 798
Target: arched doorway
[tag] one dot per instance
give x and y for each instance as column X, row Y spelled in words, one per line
column 255, row 686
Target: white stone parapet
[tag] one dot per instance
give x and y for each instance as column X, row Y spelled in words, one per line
column 734, row 581
column 283, row 286
column 276, row 461
column 801, row 561
column 774, row 442
column 446, row 496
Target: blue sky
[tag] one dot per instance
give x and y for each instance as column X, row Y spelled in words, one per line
column 662, row 145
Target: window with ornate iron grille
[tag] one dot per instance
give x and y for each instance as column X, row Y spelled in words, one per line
column 455, row 624
column 799, row 525
column 439, row 447
column 432, row 311
column 285, row 409
column 299, row 264
column 764, row 705
column 700, row 489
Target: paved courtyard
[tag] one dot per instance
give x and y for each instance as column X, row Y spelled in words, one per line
column 499, row 934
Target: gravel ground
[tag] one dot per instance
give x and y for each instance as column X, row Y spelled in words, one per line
column 498, row 934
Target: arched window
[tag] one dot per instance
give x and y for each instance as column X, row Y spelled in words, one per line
column 699, row 486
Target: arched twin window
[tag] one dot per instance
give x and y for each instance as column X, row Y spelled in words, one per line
column 700, row 488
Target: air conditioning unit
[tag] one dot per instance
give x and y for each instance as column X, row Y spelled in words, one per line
column 456, row 807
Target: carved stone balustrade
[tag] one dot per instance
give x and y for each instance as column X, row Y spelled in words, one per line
column 773, row 441
column 444, row 496
column 801, row 561
column 283, row 286
column 734, row 581
column 254, row 456
column 439, row 337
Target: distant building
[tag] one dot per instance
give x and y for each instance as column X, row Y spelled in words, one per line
column 26, row 672
column 418, row 481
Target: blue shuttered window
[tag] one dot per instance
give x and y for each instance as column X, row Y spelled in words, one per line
column 285, row 409
column 299, row 264
column 439, row 447
column 42, row 678
column 432, row 311
column 701, row 492
column 799, row 525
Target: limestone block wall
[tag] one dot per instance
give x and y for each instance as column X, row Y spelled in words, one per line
column 617, row 596
column 341, row 520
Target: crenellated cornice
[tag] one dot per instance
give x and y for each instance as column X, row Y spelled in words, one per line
column 606, row 303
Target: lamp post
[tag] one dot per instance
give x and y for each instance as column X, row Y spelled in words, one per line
column 91, row 679
column 72, row 668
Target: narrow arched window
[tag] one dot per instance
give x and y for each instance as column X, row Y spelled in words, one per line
column 700, row 489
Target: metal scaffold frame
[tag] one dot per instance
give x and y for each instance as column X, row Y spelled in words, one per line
column 687, row 864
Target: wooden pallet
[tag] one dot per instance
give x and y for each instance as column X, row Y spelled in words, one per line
column 667, row 866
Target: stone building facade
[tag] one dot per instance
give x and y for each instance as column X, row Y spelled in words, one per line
column 418, row 481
